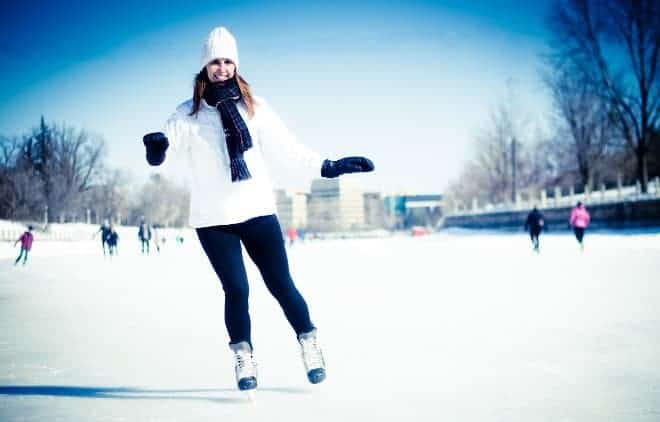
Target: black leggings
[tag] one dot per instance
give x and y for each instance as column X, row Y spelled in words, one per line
column 262, row 237
column 145, row 245
column 534, row 235
column 579, row 233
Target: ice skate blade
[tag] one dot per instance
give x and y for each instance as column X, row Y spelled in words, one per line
column 316, row 376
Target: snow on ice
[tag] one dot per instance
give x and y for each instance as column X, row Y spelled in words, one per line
column 452, row 326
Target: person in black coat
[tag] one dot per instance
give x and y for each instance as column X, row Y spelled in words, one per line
column 534, row 224
column 144, row 234
column 113, row 239
column 105, row 232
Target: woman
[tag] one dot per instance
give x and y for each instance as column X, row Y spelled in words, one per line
column 26, row 240
column 228, row 134
column 579, row 220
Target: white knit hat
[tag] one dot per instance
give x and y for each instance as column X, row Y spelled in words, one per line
column 219, row 44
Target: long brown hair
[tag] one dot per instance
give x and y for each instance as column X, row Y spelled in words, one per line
column 202, row 81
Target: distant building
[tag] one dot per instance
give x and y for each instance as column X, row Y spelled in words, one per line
column 403, row 211
column 335, row 205
column 291, row 208
column 374, row 210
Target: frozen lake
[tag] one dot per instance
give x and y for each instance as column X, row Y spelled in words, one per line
column 453, row 327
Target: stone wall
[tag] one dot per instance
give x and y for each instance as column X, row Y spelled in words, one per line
column 616, row 215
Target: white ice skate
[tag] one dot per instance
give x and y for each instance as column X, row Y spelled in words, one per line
column 312, row 357
column 245, row 366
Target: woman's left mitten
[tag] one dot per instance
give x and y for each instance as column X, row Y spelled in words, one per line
column 331, row 169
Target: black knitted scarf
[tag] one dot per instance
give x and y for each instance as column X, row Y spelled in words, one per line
column 224, row 96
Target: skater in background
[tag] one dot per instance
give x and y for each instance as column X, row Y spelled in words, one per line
column 105, row 231
column 156, row 238
column 291, row 234
column 113, row 240
column 144, row 234
column 534, row 224
column 230, row 135
column 26, row 240
column 579, row 221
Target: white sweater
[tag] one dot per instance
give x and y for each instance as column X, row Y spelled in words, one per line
column 214, row 198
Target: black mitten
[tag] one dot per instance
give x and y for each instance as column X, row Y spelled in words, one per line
column 156, row 144
column 332, row 169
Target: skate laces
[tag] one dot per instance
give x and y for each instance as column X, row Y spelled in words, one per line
column 245, row 365
column 312, row 354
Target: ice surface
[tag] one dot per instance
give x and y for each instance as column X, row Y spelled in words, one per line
column 448, row 327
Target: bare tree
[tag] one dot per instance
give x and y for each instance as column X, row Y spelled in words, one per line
column 536, row 169
column 161, row 202
column 614, row 44
column 8, row 152
column 20, row 188
column 110, row 196
column 68, row 162
column 489, row 176
column 494, row 157
column 52, row 166
column 585, row 129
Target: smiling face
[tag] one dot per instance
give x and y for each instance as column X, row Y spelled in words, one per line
column 220, row 70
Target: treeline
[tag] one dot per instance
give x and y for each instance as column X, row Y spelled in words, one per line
column 60, row 173
column 601, row 71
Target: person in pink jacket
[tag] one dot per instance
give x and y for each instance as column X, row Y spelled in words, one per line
column 579, row 220
column 26, row 244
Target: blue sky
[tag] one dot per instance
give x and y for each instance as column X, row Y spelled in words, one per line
column 409, row 84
